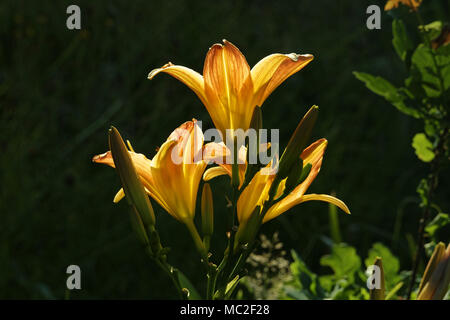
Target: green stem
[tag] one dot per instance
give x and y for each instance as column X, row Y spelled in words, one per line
column 167, row 268
column 197, row 240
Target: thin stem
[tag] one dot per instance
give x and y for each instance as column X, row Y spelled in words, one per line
column 197, row 240
column 166, row 267
column 432, row 186
column 433, row 177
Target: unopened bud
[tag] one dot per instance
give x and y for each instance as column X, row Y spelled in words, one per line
column 207, row 211
column 436, row 278
column 132, row 186
column 378, row 293
column 298, row 142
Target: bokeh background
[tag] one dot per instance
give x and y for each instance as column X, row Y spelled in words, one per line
column 60, row 90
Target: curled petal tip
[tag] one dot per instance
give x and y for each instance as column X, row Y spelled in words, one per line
column 216, row 46
column 295, row 56
column 154, row 72
column 99, row 157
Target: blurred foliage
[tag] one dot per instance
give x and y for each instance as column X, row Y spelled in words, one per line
column 425, row 96
column 348, row 280
column 60, row 90
column 268, row 269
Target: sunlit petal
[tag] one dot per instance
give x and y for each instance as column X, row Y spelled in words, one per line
column 119, row 196
column 271, row 71
column 189, row 77
column 313, row 154
column 214, row 172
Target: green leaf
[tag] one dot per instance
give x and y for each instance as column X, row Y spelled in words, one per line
column 385, row 89
column 440, row 221
column 423, row 147
column 424, row 60
column 296, row 294
column 305, row 279
column 391, row 264
column 392, row 293
column 433, row 29
column 343, row 260
column 443, row 61
column 300, row 271
column 423, row 189
column 231, row 286
column 402, row 44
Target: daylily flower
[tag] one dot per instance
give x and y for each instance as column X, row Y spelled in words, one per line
column 219, row 153
column 257, row 192
column 173, row 175
column 228, row 88
column 413, row 4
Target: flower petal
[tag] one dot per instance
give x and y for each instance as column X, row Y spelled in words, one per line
column 140, row 162
column 271, row 71
column 313, row 154
column 253, row 195
column 189, row 77
column 326, row 198
column 225, row 71
column 228, row 87
column 213, row 172
column 119, row 196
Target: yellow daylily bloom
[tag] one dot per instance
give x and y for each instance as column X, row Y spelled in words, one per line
column 257, row 192
column 218, row 153
column 173, row 175
column 391, row 4
column 228, row 88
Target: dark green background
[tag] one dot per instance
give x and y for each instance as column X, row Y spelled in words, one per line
column 60, row 90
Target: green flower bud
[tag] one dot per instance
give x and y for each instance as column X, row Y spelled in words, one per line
column 378, row 294
column 207, row 211
column 132, row 186
column 297, row 142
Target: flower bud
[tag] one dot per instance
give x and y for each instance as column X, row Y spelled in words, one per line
column 378, row 294
column 207, row 211
column 436, row 278
column 248, row 229
column 297, row 142
column 132, row 186
column 293, row 177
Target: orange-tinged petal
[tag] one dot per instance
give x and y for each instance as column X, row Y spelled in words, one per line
column 326, row 198
column 140, row 162
column 215, row 152
column 214, row 172
column 189, row 77
column 228, row 87
column 313, row 154
column 253, row 195
column 271, row 71
column 173, row 175
column 225, row 71
column 119, row 196
column 391, row 4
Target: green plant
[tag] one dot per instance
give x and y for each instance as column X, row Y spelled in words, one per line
column 424, row 95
